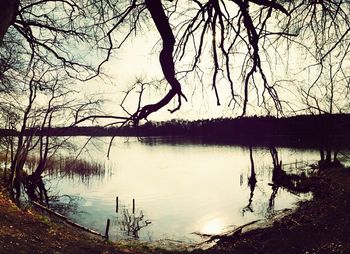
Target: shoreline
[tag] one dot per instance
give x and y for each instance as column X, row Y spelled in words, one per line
column 321, row 225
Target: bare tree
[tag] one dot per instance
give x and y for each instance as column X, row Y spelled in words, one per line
column 239, row 31
column 329, row 94
column 47, row 96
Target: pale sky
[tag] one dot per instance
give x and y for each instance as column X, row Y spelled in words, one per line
column 138, row 58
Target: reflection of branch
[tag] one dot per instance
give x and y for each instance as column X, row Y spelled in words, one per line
column 132, row 224
column 272, row 197
column 250, row 201
column 251, row 182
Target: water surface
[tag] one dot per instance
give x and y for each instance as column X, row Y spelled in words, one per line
column 179, row 189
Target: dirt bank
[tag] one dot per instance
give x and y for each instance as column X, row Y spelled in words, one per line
column 318, row 226
column 26, row 231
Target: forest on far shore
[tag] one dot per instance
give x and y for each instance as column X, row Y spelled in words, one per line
column 302, row 130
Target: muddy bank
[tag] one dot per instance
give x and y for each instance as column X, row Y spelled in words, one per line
column 318, row 226
column 26, row 231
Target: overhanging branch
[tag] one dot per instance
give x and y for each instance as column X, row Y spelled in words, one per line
column 166, row 61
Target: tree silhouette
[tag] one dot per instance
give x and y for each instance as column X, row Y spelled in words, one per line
column 239, row 31
column 39, row 101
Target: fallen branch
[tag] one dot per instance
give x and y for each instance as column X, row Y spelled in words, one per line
column 68, row 221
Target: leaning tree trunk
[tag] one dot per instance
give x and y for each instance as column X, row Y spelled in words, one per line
column 35, row 187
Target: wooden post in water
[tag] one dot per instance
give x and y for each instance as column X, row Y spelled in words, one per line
column 133, row 205
column 116, row 204
column 107, row 228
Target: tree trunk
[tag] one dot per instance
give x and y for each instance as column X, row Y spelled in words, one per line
column 8, row 13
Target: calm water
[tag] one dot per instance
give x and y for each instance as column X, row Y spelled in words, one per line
column 179, row 189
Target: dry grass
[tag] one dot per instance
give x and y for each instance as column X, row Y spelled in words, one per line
column 65, row 166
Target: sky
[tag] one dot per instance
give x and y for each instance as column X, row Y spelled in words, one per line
column 138, row 59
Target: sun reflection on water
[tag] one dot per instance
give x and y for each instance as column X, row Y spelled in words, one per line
column 213, row 227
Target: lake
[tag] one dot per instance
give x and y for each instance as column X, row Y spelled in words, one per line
column 179, row 188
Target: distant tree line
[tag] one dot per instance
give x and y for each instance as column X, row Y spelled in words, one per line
column 316, row 130
column 303, row 130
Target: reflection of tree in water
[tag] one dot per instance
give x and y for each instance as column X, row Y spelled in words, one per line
column 251, row 183
column 327, row 160
column 277, row 174
column 271, row 206
column 294, row 183
column 132, row 223
column 66, row 205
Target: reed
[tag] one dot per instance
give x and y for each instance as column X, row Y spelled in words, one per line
column 64, row 166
